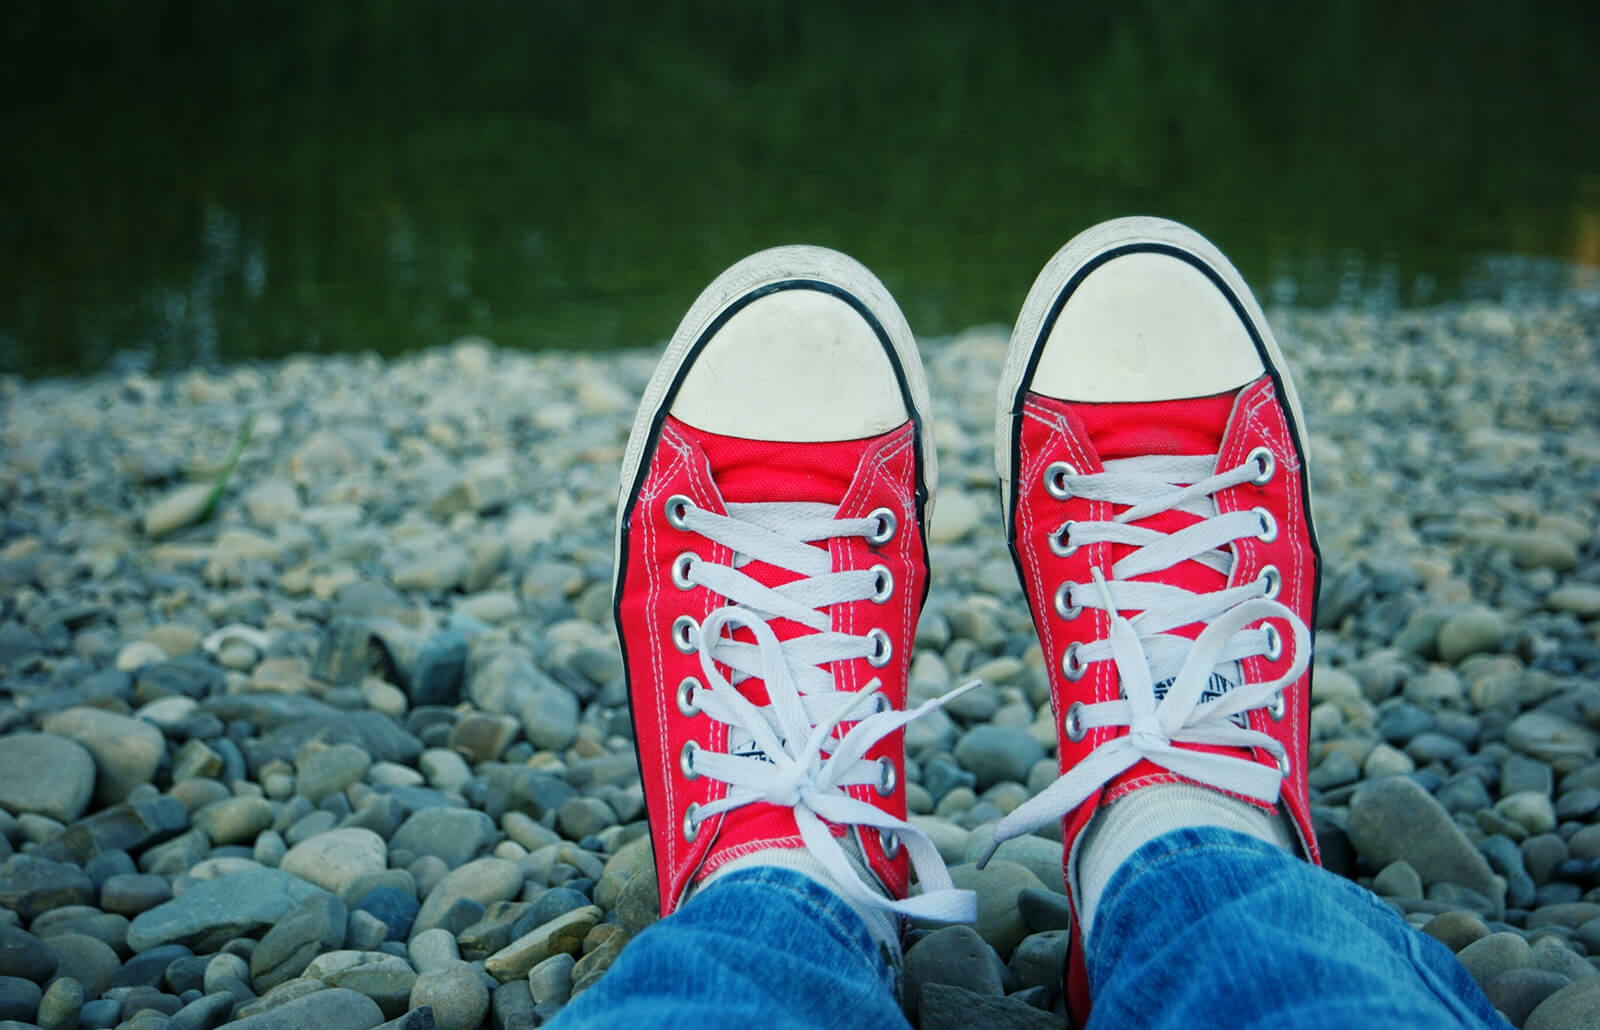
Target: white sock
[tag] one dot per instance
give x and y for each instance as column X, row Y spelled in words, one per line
column 1129, row 823
column 883, row 925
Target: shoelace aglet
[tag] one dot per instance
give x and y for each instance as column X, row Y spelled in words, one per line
column 988, row 852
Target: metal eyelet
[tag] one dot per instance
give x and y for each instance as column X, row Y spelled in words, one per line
column 1072, row 665
column 888, row 776
column 881, row 704
column 1269, row 526
column 1073, row 723
column 882, row 648
column 1266, row 465
column 686, row 760
column 691, row 826
column 1060, row 544
column 680, row 570
column 1277, row 707
column 1285, row 763
column 885, row 527
column 1055, row 479
column 684, row 633
column 686, row 706
column 1064, row 606
column 1274, row 643
column 889, row 841
column 677, row 508
column 1270, row 579
column 882, row 584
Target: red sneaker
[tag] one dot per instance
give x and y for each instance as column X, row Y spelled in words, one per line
column 771, row 566
column 1148, row 444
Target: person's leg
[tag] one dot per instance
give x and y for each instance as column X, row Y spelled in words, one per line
column 766, row 948
column 771, row 566
column 1209, row 927
column 1148, row 442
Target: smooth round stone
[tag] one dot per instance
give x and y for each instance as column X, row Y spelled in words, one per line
column 1040, row 958
column 1581, row 599
column 998, row 753
column 138, row 654
column 457, row 995
column 234, row 821
column 19, row 999
column 222, row 969
column 1528, row 809
column 1395, row 819
column 365, row 932
column 330, row 770
column 584, row 817
column 1471, row 631
column 332, row 860
column 336, row 1009
column 1554, row 739
column 1397, row 880
column 455, row 835
column 45, row 774
column 550, row 982
column 62, row 1002
column 1456, row 929
column 315, row 925
column 1551, row 954
column 433, row 950
column 24, row 955
column 1490, row 956
column 550, row 718
column 149, row 968
column 126, row 751
column 999, row 920
column 396, row 908
column 88, row 960
column 386, row 979
column 1574, row 1007
column 1386, row 760
column 444, row 769
column 952, row 955
column 485, row 881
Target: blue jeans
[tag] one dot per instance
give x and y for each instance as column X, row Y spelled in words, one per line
column 1200, row 928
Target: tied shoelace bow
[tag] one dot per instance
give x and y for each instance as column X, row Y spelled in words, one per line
column 776, row 751
column 1190, row 711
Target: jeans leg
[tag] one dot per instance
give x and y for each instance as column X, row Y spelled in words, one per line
column 1209, row 928
column 763, row 948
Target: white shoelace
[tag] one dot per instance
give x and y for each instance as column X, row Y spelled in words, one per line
column 1146, row 654
column 777, row 749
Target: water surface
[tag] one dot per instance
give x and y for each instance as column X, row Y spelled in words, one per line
column 197, row 182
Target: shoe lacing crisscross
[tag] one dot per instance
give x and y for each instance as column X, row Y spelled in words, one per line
column 777, row 751
column 1191, row 709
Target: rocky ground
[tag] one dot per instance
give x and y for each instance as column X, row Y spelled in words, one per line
column 358, row 744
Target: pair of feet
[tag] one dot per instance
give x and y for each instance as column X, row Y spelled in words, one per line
column 772, row 565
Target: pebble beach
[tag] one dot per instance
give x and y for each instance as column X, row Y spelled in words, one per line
column 345, row 742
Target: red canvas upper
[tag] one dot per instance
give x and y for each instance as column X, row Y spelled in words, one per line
column 1085, row 435
column 859, row 476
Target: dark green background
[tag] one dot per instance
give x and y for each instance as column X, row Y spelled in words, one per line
column 199, row 181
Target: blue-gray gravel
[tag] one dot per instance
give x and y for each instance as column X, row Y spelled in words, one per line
column 359, row 743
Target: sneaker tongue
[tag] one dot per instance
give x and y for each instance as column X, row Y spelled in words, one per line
column 751, row 471
column 1194, row 425
column 1127, row 430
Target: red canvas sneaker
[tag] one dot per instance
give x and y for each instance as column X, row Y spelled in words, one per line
column 1154, row 481
column 771, row 566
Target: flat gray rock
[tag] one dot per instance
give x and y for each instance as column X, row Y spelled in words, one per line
column 126, row 751
column 45, row 774
column 1395, row 820
column 213, row 912
column 332, row 1009
column 456, row 835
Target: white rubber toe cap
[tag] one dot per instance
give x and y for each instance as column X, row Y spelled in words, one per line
column 1146, row 327
column 796, row 365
